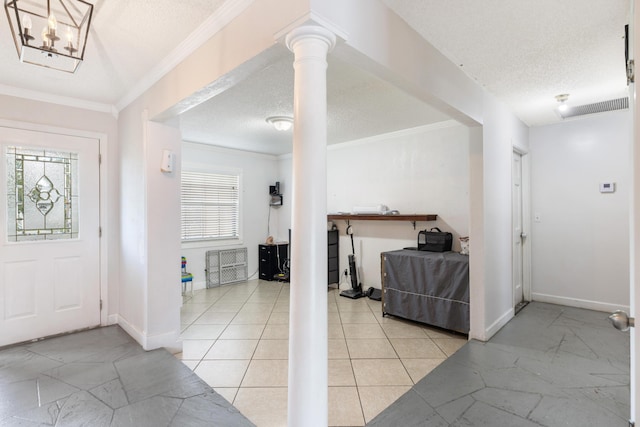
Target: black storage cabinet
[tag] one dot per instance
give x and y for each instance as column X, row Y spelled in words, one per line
column 270, row 265
column 272, row 259
column 333, row 254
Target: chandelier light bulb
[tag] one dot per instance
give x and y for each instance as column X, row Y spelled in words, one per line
column 45, row 37
column 26, row 28
column 26, row 23
column 53, row 22
column 69, row 47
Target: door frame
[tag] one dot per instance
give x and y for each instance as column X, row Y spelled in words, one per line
column 105, row 319
column 634, row 238
column 526, row 222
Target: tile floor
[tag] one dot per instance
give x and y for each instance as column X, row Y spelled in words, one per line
column 102, row 378
column 549, row 366
column 236, row 339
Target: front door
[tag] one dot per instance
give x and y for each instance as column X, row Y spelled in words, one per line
column 49, row 234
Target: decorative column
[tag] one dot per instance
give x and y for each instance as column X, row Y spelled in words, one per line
column 308, row 367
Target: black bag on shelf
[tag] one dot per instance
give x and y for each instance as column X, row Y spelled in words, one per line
column 434, row 241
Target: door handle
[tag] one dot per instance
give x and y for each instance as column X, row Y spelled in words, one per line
column 621, row 321
column 523, row 235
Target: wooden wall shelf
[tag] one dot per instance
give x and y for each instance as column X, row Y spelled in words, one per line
column 411, row 218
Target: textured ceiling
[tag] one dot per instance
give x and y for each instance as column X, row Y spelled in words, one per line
column 126, row 40
column 358, row 106
column 524, row 52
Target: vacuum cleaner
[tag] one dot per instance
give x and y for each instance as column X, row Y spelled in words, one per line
column 356, row 288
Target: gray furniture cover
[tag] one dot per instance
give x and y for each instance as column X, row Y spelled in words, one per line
column 427, row 287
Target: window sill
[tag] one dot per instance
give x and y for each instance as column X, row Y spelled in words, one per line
column 210, row 243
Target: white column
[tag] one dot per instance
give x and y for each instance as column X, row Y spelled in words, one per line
column 308, row 371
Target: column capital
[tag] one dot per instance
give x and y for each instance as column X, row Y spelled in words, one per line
column 306, row 32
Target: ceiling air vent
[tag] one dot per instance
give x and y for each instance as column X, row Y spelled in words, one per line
column 598, row 107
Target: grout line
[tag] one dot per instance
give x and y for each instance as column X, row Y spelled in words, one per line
column 261, row 334
column 332, row 299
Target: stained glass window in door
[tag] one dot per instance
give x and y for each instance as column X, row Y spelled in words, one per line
column 42, row 194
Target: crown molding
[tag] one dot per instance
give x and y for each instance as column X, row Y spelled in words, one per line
column 35, row 95
column 212, row 25
column 385, row 136
column 194, row 145
column 395, row 134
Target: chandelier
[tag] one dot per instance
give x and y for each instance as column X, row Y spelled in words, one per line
column 50, row 33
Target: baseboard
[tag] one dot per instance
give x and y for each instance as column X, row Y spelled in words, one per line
column 170, row 340
column 132, row 331
column 499, row 323
column 112, row 319
column 578, row 303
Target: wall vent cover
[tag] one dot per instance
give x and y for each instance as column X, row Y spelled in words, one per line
column 598, row 107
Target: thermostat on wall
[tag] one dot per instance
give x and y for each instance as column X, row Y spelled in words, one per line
column 607, row 187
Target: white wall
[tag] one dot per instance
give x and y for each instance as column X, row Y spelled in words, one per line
column 237, row 47
column 422, row 170
column 258, row 171
column 493, row 293
column 580, row 245
column 149, row 297
column 163, row 279
column 398, row 55
column 133, row 262
column 395, row 53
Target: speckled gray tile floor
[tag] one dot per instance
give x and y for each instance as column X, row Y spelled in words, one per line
column 550, row 366
column 102, row 377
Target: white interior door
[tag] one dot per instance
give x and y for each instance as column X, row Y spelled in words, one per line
column 49, row 234
column 517, row 233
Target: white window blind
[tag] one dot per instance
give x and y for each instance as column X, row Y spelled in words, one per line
column 210, row 206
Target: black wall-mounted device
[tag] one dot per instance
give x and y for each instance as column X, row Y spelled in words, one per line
column 628, row 63
column 276, row 197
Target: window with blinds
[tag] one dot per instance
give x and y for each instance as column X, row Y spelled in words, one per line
column 210, row 206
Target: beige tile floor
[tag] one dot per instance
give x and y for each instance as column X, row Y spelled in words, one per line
column 236, row 339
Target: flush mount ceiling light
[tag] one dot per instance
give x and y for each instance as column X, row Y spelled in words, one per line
column 281, row 123
column 562, row 101
column 61, row 42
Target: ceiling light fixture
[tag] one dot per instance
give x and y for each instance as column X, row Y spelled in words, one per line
column 69, row 19
column 562, row 100
column 281, row 123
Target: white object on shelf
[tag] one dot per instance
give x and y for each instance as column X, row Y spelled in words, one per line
column 370, row 210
